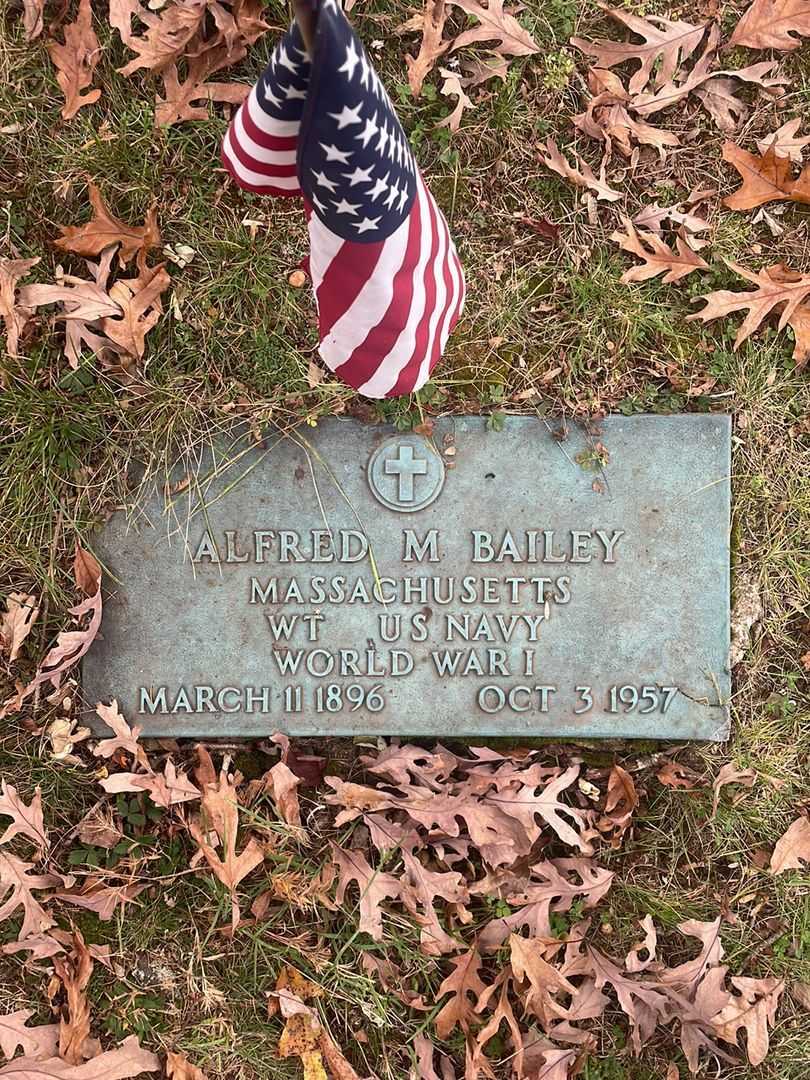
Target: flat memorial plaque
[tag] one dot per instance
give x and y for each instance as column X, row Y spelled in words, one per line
column 351, row 580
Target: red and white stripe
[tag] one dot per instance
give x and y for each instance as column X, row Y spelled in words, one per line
column 259, row 151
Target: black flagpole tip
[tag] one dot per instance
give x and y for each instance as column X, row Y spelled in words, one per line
column 306, row 15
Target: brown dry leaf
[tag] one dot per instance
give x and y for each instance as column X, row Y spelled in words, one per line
column 63, row 734
column 552, row 885
column 70, row 647
column 658, row 256
column 606, row 118
column 139, row 308
column 753, row 1010
column 76, row 60
column 178, row 103
column 125, row 737
column 15, row 316
column 123, row 1063
column 793, row 848
column 104, row 229
column 719, row 101
column 633, row 962
column 786, row 141
column 621, row 802
column 464, row 981
column 801, row 992
column 773, row 24
column 375, row 887
column 545, row 980
column 16, row 622
column 777, row 288
column 653, row 216
column 582, row 177
column 165, row 789
column 764, row 179
column 665, row 46
column 730, row 774
column 98, row 829
column 169, row 34
column 643, row 1004
column 453, row 86
column 74, row 970
column 421, row 888
column 219, row 811
column 17, row 885
column 33, row 12
column 103, row 899
column 283, row 785
column 39, row 1041
column 178, row 1067
column 25, row 820
column 83, row 303
column 495, row 24
column 431, row 23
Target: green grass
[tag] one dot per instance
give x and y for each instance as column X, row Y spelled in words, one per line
column 554, row 322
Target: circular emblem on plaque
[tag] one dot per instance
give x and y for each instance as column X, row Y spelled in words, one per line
column 405, row 473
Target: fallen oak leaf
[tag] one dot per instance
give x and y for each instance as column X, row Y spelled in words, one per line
column 165, row 789
column 39, row 1041
column 495, row 24
column 622, row 798
column 730, row 774
column 75, row 61
column 103, row 899
column 675, row 775
column 465, row 980
column 652, row 217
column 178, row 103
column 665, row 46
column 765, row 179
column 658, row 256
column 33, row 12
column 719, row 102
column 139, row 308
column 178, row 1067
column 753, row 1010
column 633, row 961
column 25, row 820
column 773, row 24
column 219, row 811
column 127, row 1061
column 793, row 848
column 582, row 177
column 545, row 980
column 15, row 316
column 431, row 23
column 125, row 737
column 83, row 303
column 17, row 885
column 283, row 785
column 169, row 33
column 74, row 969
column 375, row 886
column 776, row 286
column 104, row 229
column 453, row 86
column 70, row 647
column 786, row 141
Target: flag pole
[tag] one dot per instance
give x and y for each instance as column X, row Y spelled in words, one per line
column 306, row 16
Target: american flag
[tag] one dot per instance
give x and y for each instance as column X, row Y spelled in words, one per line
column 388, row 283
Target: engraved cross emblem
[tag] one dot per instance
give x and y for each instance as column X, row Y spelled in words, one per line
column 405, row 466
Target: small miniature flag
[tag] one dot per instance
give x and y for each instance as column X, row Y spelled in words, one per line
column 388, row 283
